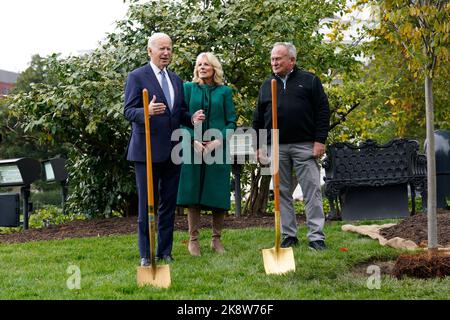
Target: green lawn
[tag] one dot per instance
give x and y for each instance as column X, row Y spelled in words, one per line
column 39, row 270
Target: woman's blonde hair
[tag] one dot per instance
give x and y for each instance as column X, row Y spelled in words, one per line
column 212, row 59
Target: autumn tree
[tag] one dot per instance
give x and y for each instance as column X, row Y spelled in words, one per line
column 420, row 29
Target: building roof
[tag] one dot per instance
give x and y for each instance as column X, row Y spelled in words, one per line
column 8, row 77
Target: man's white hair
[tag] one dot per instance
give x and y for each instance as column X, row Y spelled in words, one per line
column 292, row 51
column 154, row 37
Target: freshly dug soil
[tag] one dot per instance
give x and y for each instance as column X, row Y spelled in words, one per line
column 424, row 265
column 415, row 228
column 127, row 225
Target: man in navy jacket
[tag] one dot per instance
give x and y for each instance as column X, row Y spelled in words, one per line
column 303, row 122
column 167, row 111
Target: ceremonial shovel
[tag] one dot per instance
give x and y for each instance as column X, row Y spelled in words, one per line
column 157, row 276
column 277, row 260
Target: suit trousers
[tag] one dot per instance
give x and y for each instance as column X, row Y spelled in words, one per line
column 298, row 157
column 166, row 176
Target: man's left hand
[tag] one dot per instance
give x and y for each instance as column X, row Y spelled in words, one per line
column 318, row 150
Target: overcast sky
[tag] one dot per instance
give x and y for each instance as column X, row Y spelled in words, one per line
column 43, row 27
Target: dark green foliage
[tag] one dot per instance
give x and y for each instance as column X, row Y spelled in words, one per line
column 79, row 104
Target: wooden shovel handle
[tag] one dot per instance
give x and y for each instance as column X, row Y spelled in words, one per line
column 275, row 164
column 150, row 199
column 148, row 150
column 275, row 147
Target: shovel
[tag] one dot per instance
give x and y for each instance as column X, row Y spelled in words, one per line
column 277, row 260
column 153, row 275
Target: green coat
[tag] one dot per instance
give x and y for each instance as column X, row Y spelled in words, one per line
column 204, row 184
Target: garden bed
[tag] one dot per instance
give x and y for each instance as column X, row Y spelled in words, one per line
column 126, row 225
column 413, row 228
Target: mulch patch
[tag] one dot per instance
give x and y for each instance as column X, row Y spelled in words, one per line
column 127, row 225
column 415, row 228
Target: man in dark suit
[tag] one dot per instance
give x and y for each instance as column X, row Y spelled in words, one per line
column 167, row 111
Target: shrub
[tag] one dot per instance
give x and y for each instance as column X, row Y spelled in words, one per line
column 51, row 215
column 46, row 198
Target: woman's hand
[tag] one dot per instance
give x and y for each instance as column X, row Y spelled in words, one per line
column 198, row 147
column 197, row 117
column 211, row 145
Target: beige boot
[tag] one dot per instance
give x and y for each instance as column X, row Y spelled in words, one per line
column 194, row 224
column 218, row 221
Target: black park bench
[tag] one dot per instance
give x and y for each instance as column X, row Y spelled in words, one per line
column 370, row 181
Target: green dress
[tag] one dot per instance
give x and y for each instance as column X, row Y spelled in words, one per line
column 207, row 185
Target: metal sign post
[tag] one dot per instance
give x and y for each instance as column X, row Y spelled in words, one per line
column 241, row 151
column 19, row 172
column 55, row 171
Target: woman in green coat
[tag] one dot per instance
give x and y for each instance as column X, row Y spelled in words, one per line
column 205, row 184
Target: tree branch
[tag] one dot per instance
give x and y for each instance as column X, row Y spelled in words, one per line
column 342, row 117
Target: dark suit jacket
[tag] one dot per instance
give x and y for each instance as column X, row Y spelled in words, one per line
column 161, row 126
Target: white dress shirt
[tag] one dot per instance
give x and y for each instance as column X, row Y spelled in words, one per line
column 157, row 72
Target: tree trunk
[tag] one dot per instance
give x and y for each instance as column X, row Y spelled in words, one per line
column 259, row 194
column 131, row 205
column 431, row 166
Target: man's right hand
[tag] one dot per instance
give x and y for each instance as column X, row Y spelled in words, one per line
column 261, row 156
column 155, row 109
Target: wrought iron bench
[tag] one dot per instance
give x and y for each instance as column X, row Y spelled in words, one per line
column 370, row 181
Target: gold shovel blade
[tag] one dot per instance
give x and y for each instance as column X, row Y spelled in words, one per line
column 158, row 277
column 278, row 262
